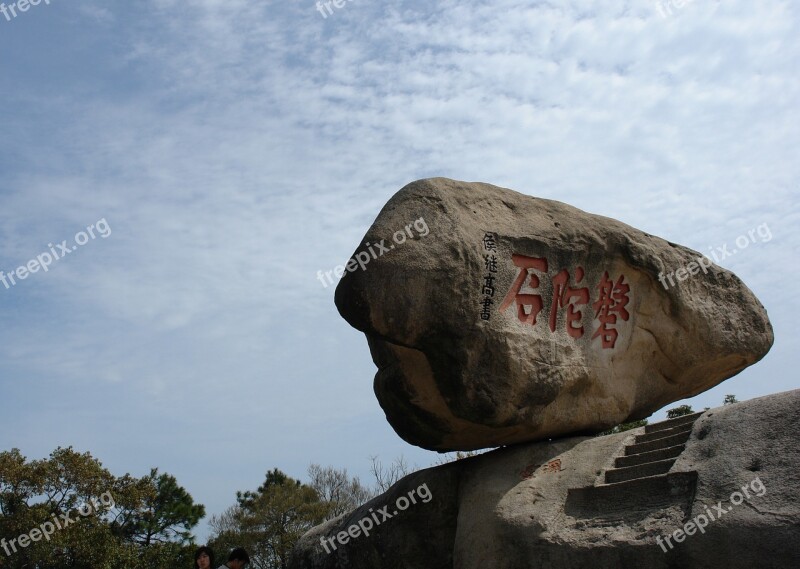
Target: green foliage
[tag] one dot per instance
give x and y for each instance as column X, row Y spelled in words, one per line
column 269, row 521
column 166, row 513
column 109, row 515
column 673, row 413
column 679, row 411
column 274, row 478
column 624, row 427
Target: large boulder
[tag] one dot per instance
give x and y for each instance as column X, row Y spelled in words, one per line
column 547, row 504
column 495, row 317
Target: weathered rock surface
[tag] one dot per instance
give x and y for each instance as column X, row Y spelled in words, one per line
column 519, row 319
column 520, row 507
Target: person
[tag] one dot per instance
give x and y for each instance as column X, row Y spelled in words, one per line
column 238, row 559
column 203, row 558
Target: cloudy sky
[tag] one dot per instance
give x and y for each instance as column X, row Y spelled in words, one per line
column 234, row 148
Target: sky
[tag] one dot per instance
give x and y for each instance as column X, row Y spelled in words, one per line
column 223, row 152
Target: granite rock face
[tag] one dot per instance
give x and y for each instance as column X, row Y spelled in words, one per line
column 523, row 506
column 513, row 318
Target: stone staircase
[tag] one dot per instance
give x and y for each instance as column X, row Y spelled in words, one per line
column 639, row 481
column 654, row 452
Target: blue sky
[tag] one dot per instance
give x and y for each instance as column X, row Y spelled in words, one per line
column 236, row 148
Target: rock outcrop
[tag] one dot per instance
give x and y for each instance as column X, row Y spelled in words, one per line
column 634, row 500
column 513, row 319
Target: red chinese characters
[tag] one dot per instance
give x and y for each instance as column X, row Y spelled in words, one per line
column 612, row 302
column 569, row 296
column 533, row 302
column 564, row 296
column 530, row 470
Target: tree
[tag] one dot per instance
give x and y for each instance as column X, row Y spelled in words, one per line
column 269, row 521
column 679, row 411
column 37, row 494
column 342, row 493
column 226, row 532
column 74, row 486
column 385, row 477
column 274, row 477
column 447, row 458
column 730, row 399
column 166, row 512
column 621, row 428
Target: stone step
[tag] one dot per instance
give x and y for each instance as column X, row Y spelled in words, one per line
column 633, row 499
column 658, row 444
column 615, row 475
column 652, row 456
column 654, row 436
column 670, row 423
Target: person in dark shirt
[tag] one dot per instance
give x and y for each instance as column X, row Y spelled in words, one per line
column 203, row 558
column 238, row 559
